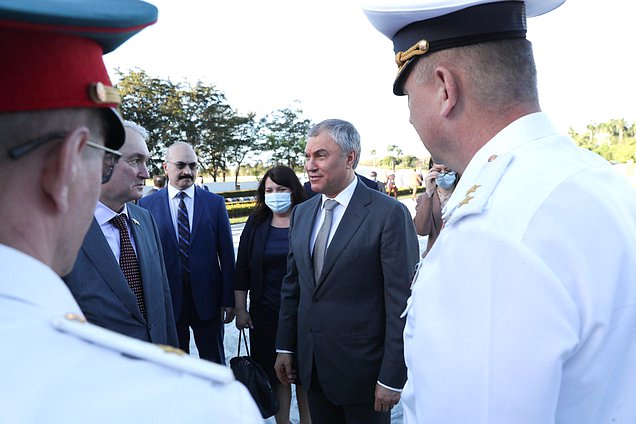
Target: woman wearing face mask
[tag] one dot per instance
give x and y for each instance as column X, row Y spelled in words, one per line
column 261, row 265
column 440, row 183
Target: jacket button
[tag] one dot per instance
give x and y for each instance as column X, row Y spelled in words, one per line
column 314, row 300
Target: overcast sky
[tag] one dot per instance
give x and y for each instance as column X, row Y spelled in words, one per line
column 264, row 55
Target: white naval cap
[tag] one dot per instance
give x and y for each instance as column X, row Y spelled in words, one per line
column 418, row 27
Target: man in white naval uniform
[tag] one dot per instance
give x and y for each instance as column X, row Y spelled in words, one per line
column 524, row 311
column 58, row 125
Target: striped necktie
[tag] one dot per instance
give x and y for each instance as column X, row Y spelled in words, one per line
column 183, row 223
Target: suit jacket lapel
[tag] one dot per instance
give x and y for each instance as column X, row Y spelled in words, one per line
column 140, row 234
column 164, row 218
column 99, row 253
column 349, row 224
column 307, row 228
column 199, row 204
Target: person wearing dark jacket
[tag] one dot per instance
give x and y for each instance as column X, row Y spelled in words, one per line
column 260, row 268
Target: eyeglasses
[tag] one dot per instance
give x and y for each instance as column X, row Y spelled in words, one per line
column 182, row 165
column 110, row 156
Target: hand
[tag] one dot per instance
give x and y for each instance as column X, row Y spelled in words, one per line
column 431, row 176
column 227, row 315
column 385, row 399
column 283, row 367
column 243, row 319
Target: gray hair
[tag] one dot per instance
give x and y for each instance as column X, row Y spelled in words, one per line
column 343, row 133
column 502, row 72
column 138, row 129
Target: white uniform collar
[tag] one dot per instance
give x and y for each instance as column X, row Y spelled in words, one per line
column 519, row 132
column 489, row 163
column 33, row 282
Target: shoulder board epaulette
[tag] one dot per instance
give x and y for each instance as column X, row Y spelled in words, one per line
column 476, row 197
column 166, row 356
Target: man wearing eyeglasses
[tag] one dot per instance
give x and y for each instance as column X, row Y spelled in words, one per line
column 129, row 296
column 59, row 136
column 199, row 253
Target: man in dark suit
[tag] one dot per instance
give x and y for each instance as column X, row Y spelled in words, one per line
column 341, row 305
column 199, row 253
column 111, row 292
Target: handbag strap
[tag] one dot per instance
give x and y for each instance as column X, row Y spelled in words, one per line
column 244, row 337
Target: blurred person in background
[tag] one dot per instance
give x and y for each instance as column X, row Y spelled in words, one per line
column 440, row 183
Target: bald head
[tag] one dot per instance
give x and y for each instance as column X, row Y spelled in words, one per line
column 181, row 165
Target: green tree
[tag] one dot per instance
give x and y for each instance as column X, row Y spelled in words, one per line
column 395, row 154
column 410, row 161
column 614, row 140
column 154, row 104
column 246, row 140
column 286, row 136
column 208, row 125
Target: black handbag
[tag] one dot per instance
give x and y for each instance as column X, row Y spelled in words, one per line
column 255, row 379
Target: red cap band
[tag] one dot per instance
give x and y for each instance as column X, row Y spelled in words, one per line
column 49, row 70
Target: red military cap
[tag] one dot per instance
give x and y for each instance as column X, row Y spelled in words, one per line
column 51, row 54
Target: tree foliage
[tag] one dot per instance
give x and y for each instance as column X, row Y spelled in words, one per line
column 285, row 137
column 154, row 104
column 614, row 140
column 201, row 115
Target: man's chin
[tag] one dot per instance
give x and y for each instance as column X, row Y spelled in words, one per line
column 185, row 184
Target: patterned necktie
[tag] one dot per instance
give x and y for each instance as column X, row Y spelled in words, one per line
column 183, row 223
column 320, row 246
column 128, row 261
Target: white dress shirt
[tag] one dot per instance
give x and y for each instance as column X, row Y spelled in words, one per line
column 343, row 199
column 174, row 205
column 103, row 215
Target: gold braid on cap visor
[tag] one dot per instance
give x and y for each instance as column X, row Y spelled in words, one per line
column 418, row 49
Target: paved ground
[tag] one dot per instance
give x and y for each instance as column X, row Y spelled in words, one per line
column 231, row 333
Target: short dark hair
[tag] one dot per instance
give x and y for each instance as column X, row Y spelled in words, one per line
column 281, row 175
column 159, row 181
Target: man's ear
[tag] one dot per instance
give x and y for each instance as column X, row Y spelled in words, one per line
column 447, row 90
column 62, row 167
column 351, row 158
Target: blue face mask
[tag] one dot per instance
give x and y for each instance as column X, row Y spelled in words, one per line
column 446, row 180
column 278, row 202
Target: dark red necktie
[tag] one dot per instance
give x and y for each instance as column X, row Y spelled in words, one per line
column 128, row 261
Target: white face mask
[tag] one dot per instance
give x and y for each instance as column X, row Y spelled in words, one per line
column 278, row 202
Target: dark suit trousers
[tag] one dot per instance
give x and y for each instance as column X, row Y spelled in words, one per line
column 208, row 335
column 324, row 412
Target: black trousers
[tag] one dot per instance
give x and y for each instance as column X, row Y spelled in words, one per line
column 323, row 411
column 208, row 335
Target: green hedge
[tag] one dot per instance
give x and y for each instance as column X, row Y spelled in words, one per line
column 238, row 209
column 237, row 193
column 243, row 209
